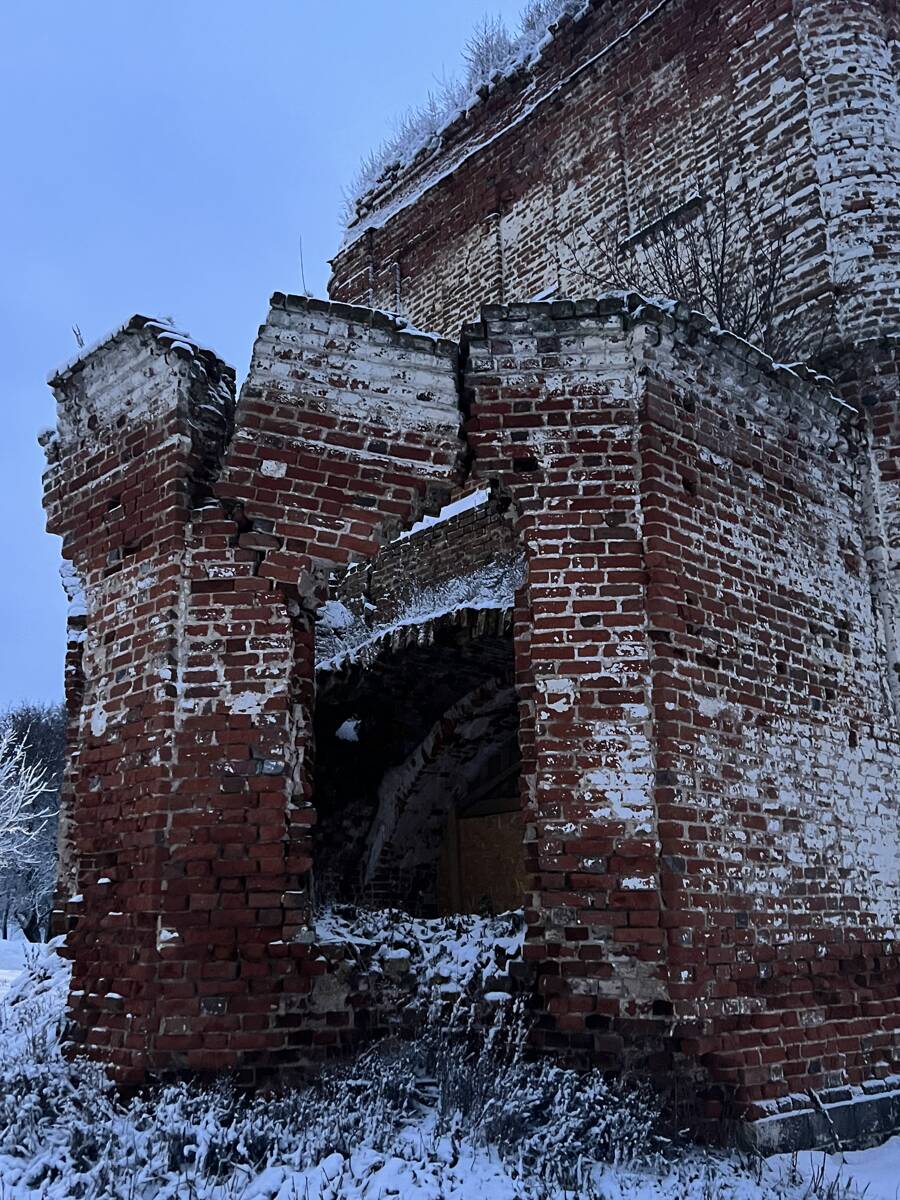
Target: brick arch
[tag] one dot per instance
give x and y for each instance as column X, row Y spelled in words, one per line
column 363, row 669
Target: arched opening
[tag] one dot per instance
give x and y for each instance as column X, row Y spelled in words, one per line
column 416, row 775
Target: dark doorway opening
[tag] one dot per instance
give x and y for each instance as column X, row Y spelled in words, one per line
column 416, row 775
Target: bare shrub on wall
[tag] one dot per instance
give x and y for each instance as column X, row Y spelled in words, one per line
column 722, row 248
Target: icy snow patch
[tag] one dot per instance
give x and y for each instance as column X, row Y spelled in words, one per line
column 447, row 954
column 73, row 589
column 348, row 731
column 463, row 504
column 491, row 587
column 335, row 616
column 12, row 960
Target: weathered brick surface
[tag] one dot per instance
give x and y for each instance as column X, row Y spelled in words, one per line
column 629, row 100
column 707, row 740
column 773, row 726
column 867, row 374
column 710, row 752
column 381, row 588
column 582, row 652
column 680, row 592
column 142, row 423
column 200, row 567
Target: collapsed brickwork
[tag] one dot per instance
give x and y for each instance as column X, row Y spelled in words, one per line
column 591, row 609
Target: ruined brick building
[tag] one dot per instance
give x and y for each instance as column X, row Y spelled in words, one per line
column 641, row 674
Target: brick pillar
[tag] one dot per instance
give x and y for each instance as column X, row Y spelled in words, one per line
column 852, row 101
column 880, row 402
column 775, row 740
column 344, row 428
column 201, row 561
column 709, row 753
column 868, row 374
column 555, row 419
column 142, row 422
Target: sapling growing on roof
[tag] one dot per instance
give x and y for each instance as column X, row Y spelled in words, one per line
column 491, row 50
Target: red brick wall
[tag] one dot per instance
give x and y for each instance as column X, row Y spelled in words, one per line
column 773, row 724
column 867, row 375
column 142, row 421
column 709, row 745
column 709, row 749
column 186, row 877
column 582, row 656
column 630, row 99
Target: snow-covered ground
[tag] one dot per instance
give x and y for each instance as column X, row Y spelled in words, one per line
column 12, row 960
column 874, row 1173
column 421, row 1121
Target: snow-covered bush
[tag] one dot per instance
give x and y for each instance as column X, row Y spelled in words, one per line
column 454, row 1114
column 63, row 1130
column 548, row 1122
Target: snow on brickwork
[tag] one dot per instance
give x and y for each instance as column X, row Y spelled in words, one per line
column 118, row 378
column 463, row 559
column 492, row 587
column 714, row 807
column 848, row 53
column 802, row 98
column 775, row 731
column 453, row 509
column 668, row 569
column 357, row 364
column 361, row 412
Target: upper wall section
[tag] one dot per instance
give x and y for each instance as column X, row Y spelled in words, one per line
column 849, row 53
column 346, row 429
column 631, row 100
column 145, row 395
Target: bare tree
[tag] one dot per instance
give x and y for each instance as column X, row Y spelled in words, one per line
column 722, row 249
column 22, row 786
column 32, row 741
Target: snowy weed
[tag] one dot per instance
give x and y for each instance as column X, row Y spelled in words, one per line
column 455, row 1113
column 490, row 51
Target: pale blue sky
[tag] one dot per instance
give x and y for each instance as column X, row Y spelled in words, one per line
column 165, row 158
